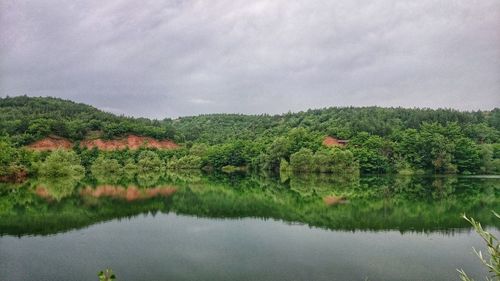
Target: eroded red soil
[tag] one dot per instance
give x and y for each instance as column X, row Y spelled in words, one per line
column 51, row 143
column 131, row 142
column 331, row 142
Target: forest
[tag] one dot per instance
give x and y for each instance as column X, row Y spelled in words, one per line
column 380, row 141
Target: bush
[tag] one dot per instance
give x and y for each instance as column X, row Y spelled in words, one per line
column 11, row 167
column 149, row 161
column 106, row 169
column 62, row 163
column 185, row 162
column 302, row 160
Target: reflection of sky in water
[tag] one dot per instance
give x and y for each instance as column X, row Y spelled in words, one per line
column 174, row 247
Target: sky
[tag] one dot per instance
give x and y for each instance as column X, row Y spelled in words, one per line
column 176, row 58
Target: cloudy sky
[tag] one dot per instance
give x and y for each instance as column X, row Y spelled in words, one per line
column 176, row 58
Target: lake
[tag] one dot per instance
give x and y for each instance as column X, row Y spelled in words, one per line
column 195, row 226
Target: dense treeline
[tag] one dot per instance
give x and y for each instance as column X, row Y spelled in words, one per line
column 381, row 140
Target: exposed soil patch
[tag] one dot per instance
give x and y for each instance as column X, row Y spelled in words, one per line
column 331, row 142
column 51, row 143
column 334, row 200
column 130, row 193
column 42, row 192
column 131, row 142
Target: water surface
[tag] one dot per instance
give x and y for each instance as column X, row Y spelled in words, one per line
column 245, row 227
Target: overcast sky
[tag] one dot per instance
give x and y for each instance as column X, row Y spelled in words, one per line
column 176, row 58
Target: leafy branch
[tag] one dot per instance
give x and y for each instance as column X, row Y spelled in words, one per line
column 493, row 263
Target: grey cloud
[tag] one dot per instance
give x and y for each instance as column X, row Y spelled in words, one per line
column 175, row 58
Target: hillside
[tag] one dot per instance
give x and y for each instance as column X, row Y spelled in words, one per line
column 27, row 119
column 375, row 139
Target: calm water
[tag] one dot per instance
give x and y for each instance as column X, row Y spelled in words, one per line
column 244, row 227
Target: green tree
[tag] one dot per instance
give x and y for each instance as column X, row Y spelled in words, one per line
column 372, row 152
column 107, row 169
column 11, row 167
column 62, row 163
column 467, row 156
column 302, row 160
column 148, row 161
column 279, row 149
column 185, row 162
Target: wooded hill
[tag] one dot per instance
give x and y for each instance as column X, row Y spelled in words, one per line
column 381, row 140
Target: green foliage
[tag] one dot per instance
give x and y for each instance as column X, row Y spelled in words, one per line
column 489, row 162
column 149, row 162
column 11, row 162
column 105, row 169
column 106, row 275
column 284, row 166
column 233, row 153
column 199, row 149
column 61, row 163
column 57, row 188
column 232, row 169
column 375, row 202
column 342, row 162
column 302, row 160
column 335, row 160
column 130, row 168
column 185, row 162
column 28, row 119
column 372, row 152
column 382, row 140
column 279, row 149
column 493, row 263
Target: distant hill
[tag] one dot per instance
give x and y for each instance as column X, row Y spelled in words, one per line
column 27, row 119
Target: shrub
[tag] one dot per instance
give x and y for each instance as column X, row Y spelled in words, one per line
column 149, row 161
column 61, row 163
column 185, row 162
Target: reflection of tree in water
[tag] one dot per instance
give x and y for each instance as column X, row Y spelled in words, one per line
column 410, row 187
column 188, row 176
column 108, row 178
column 443, row 187
column 56, row 188
column 418, row 187
column 321, row 185
column 389, row 187
column 148, row 179
column 407, row 204
column 14, row 195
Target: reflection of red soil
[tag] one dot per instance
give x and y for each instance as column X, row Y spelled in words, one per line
column 334, row 200
column 51, row 143
column 130, row 193
column 131, row 141
column 331, row 141
column 41, row 191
